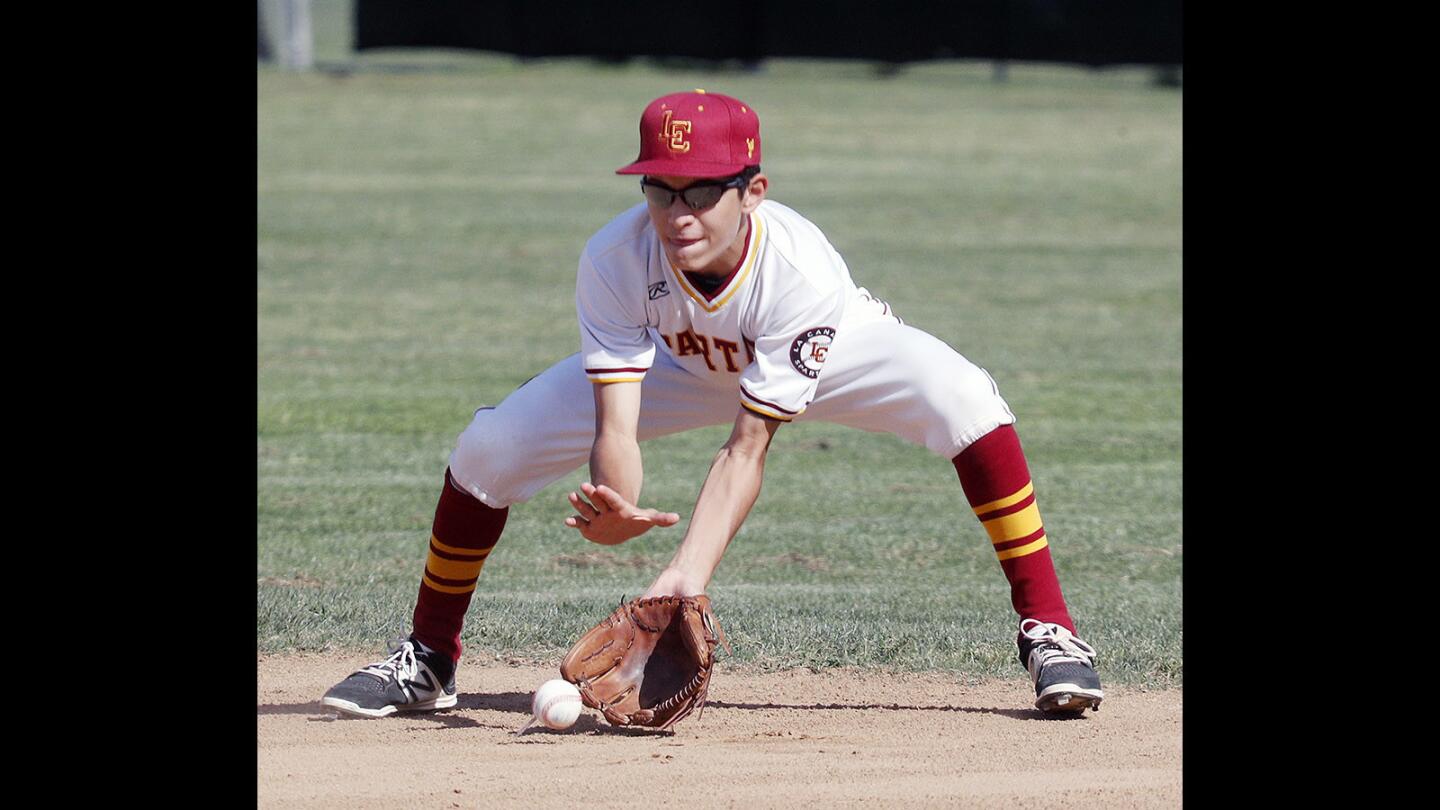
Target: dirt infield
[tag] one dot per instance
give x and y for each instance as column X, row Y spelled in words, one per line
column 765, row 740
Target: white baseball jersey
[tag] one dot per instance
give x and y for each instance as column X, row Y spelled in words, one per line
column 767, row 331
column 764, row 337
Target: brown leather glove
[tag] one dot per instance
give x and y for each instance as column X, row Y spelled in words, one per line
column 649, row 662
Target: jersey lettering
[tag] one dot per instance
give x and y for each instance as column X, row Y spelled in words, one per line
column 690, row 342
column 687, row 343
column 729, row 349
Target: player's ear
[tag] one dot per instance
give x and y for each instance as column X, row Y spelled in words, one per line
column 754, row 193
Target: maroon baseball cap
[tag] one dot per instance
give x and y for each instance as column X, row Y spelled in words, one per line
column 697, row 134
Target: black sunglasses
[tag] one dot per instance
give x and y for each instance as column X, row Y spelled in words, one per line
column 698, row 196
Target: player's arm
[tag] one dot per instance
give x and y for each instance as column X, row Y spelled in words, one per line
column 615, row 456
column 605, row 511
column 725, row 500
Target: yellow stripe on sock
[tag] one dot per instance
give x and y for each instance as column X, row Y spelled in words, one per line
column 1008, row 500
column 453, row 569
column 464, row 552
column 1016, row 526
column 448, row 588
column 1021, row 551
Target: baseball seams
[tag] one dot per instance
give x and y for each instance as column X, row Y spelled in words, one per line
column 557, row 704
column 548, row 706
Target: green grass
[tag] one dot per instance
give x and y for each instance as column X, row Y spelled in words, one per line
column 418, row 232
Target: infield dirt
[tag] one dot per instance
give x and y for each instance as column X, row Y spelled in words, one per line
column 786, row 739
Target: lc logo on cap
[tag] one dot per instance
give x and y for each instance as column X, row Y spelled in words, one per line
column 697, row 134
column 673, row 133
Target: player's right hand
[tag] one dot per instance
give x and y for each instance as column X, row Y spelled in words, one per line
column 604, row 517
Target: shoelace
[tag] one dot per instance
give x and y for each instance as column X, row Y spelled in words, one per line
column 401, row 666
column 1055, row 644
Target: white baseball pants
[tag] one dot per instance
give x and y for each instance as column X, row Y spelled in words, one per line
column 881, row 376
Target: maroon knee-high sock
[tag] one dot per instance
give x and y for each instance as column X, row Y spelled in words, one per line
column 997, row 483
column 464, row 532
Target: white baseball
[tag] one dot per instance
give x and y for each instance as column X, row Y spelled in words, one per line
column 557, row 704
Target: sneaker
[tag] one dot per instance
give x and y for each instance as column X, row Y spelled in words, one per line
column 413, row 678
column 1062, row 666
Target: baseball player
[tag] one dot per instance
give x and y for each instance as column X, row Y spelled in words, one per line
column 710, row 303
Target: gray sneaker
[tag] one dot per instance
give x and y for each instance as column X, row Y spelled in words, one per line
column 1062, row 667
column 413, row 678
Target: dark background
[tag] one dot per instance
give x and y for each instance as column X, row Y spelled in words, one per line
column 1086, row 32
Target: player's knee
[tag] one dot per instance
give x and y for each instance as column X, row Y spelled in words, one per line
column 962, row 402
column 957, row 382
column 971, row 383
column 482, row 452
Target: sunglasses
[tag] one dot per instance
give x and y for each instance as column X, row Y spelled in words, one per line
column 698, row 196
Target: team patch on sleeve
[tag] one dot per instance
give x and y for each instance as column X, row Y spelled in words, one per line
column 807, row 352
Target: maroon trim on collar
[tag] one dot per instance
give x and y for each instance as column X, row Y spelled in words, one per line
column 749, row 229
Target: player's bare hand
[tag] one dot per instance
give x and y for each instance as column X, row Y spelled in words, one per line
column 603, row 516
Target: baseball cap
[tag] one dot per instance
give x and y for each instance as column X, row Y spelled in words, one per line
column 697, row 134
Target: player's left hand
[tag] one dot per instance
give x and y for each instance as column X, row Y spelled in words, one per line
column 604, row 517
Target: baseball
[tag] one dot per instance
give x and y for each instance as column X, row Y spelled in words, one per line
column 556, row 705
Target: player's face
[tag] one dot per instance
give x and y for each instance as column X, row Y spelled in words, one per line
column 710, row 240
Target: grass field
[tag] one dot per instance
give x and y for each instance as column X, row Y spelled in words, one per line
column 417, row 238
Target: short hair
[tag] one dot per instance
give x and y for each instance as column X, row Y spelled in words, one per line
column 747, row 174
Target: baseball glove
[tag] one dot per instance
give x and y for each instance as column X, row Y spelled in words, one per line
column 649, row 662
